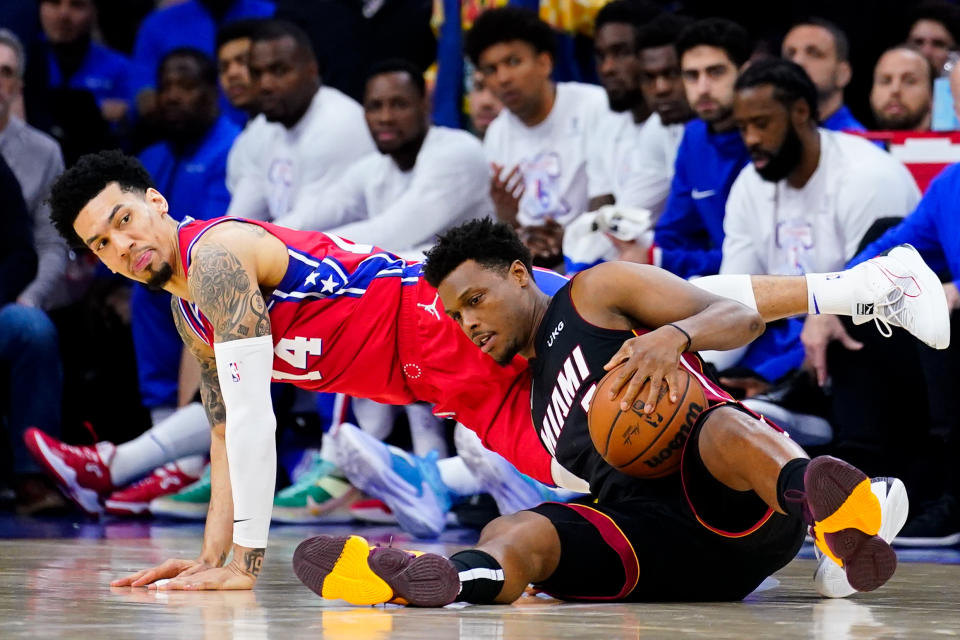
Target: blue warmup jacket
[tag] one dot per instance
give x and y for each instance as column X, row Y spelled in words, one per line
column 842, row 120
column 104, row 72
column 194, row 184
column 933, row 228
column 689, row 233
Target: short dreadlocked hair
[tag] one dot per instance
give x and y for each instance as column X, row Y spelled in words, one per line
column 494, row 245
column 83, row 181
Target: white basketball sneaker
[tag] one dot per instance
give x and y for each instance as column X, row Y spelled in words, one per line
column 410, row 485
column 510, row 489
column 830, row 578
column 900, row 290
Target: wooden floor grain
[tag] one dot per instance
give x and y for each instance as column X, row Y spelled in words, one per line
column 59, row 588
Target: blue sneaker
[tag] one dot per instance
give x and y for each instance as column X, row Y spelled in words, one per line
column 408, row 484
column 512, row 490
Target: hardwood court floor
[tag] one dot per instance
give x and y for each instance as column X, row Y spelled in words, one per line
column 58, row 587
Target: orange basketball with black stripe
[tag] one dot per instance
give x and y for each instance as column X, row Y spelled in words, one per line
column 639, row 444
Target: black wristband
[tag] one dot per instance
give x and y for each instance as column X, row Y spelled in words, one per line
column 687, row 335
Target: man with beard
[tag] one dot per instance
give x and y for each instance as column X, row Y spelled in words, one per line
column 804, row 205
column 189, row 164
column 810, row 195
column 312, row 134
column 822, row 49
column 902, row 94
column 421, row 181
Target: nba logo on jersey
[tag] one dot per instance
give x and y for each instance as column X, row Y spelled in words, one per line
column 234, row 372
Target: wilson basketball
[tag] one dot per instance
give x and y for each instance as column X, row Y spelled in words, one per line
column 639, row 444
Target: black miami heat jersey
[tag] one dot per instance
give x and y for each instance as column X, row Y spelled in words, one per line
column 570, row 355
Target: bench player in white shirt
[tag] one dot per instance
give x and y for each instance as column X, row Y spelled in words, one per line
column 537, row 146
column 310, row 135
column 631, row 157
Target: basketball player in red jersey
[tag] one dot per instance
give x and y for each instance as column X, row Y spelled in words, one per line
column 266, row 303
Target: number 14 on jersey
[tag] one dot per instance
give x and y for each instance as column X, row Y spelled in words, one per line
column 294, row 351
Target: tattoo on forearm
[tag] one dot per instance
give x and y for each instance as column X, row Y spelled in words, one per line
column 210, row 393
column 209, row 383
column 223, row 558
column 222, row 288
column 253, row 561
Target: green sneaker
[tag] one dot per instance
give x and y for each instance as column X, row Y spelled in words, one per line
column 189, row 503
column 320, row 495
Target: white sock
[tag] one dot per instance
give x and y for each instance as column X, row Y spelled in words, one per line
column 185, row 433
column 373, row 417
column 426, row 430
column 735, row 287
column 159, row 414
column 458, row 477
column 192, row 465
column 830, row 293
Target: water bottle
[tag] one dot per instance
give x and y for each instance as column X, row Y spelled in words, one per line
column 944, row 117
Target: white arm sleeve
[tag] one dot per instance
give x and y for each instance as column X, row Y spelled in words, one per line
column 244, row 368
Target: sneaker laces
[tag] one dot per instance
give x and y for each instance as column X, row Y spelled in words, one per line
column 159, row 475
column 890, row 309
column 87, row 453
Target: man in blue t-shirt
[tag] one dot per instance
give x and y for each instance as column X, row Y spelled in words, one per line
column 822, row 49
column 194, row 23
column 189, row 167
column 72, row 60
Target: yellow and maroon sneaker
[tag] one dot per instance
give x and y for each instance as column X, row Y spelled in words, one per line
column 348, row 568
column 846, row 522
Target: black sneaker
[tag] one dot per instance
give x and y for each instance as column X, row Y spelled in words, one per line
column 937, row 525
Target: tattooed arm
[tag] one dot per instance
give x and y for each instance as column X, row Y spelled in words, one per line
column 223, row 281
column 218, row 533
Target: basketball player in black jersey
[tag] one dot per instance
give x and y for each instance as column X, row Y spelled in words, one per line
column 735, row 513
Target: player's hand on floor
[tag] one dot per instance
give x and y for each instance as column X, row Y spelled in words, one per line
column 654, row 356
column 818, row 332
column 230, row 577
column 170, row 569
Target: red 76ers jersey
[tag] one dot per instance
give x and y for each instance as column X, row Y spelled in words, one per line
column 333, row 315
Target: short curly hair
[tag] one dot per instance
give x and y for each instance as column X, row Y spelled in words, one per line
column 494, row 245
column 507, row 24
column 720, row 33
column 83, row 181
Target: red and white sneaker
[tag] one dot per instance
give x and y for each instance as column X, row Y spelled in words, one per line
column 135, row 499
column 373, row 511
column 80, row 472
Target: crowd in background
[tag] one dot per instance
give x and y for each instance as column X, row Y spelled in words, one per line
column 696, row 137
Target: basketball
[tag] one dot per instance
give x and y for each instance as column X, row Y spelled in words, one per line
column 644, row 445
